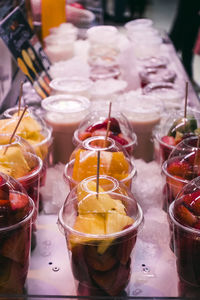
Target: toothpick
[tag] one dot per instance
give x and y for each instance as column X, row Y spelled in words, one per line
column 186, row 98
column 107, row 131
column 10, row 141
column 109, row 112
column 20, row 97
column 98, row 171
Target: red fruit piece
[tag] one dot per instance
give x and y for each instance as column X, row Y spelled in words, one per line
column 77, row 5
column 126, row 244
column 114, row 125
column 193, row 202
column 169, row 140
column 197, row 225
column 18, row 201
column 100, row 262
column 113, row 281
column 179, row 168
column 84, row 135
column 96, row 126
column 99, row 132
column 79, row 266
column 119, row 138
column 185, row 216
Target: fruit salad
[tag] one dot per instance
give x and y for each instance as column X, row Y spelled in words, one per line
column 114, row 162
column 101, row 231
column 185, row 215
column 16, row 216
column 95, row 124
column 182, row 166
column 170, row 135
column 19, row 161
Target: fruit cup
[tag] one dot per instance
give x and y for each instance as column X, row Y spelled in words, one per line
column 17, row 212
column 184, row 214
column 114, row 161
column 173, row 130
column 95, row 124
column 182, row 166
column 101, row 232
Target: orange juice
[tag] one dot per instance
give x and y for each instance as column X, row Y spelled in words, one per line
column 52, row 14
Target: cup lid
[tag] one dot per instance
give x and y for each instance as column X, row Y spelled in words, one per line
column 65, row 104
column 70, row 84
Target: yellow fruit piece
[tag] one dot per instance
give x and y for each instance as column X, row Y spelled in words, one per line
column 114, row 222
column 102, row 204
column 15, row 161
column 88, row 223
column 36, row 139
column 111, row 163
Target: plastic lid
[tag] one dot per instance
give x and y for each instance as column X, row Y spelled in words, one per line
column 107, row 87
column 143, row 22
column 102, row 33
column 71, row 84
column 65, row 104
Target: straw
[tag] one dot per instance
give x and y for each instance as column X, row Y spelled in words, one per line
column 10, row 141
column 98, row 169
column 20, row 97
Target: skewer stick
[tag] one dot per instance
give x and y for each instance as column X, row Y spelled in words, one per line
column 10, row 141
column 98, row 170
column 20, row 97
column 109, row 112
column 107, row 131
column 186, row 98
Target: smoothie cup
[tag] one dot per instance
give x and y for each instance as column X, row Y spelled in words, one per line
column 184, row 214
column 114, row 161
column 100, row 256
column 17, row 212
column 64, row 113
column 182, row 166
column 95, row 124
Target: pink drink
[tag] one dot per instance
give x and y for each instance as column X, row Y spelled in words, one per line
column 16, row 217
column 64, row 114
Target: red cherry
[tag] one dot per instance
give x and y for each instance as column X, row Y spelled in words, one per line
column 169, row 140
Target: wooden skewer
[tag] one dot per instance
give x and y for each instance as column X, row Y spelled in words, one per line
column 186, row 98
column 107, row 131
column 10, row 141
column 109, row 112
column 20, row 97
column 98, row 171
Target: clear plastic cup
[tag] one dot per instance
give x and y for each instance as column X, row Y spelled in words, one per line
column 103, row 73
column 152, row 75
column 64, row 114
column 181, row 167
column 101, row 255
column 71, row 86
column 144, row 113
column 141, row 23
column 17, row 212
column 184, row 214
column 19, row 160
column 95, row 124
column 103, row 46
column 114, row 161
column 173, row 129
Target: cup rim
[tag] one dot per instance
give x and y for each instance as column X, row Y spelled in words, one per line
column 176, row 222
column 131, row 143
column 118, row 234
column 54, row 84
column 115, row 182
column 68, row 178
column 22, row 222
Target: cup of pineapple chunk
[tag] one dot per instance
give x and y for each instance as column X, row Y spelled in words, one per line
column 101, row 231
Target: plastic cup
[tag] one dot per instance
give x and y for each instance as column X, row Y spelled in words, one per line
column 181, row 167
column 95, row 124
column 64, row 114
column 17, row 215
column 100, row 262
column 184, row 215
column 114, row 162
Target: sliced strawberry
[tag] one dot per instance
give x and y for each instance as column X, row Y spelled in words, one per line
column 185, row 216
column 18, row 201
column 84, row 135
column 114, row 125
column 96, row 126
column 179, row 168
column 169, row 140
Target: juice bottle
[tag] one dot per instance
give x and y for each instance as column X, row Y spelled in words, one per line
column 52, row 15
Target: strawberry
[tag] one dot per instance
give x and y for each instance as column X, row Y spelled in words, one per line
column 18, row 201
column 169, row 140
column 179, row 168
column 96, row 126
